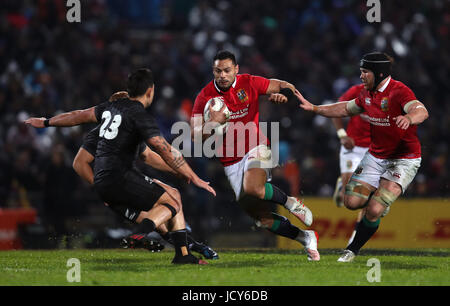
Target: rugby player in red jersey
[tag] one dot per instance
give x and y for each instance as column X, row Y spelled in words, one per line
column 244, row 151
column 394, row 154
column 355, row 141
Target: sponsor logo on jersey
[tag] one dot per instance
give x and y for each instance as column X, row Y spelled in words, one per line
column 385, row 104
column 242, row 95
column 367, row 100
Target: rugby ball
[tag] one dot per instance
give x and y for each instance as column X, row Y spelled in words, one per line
column 216, row 104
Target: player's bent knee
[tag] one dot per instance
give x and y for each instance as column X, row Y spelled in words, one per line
column 176, row 195
column 178, row 198
column 353, row 203
column 373, row 213
column 356, row 195
column 255, row 191
column 173, row 207
column 385, row 197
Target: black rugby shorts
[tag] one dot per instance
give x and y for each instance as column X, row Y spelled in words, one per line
column 128, row 197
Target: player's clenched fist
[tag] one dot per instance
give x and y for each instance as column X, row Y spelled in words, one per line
column 36, row 122
column 278, row 98
column 403, row 122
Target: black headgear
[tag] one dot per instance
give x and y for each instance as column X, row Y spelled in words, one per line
column 379, row 63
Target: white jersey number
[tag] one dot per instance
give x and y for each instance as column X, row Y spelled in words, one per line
column 110, row 128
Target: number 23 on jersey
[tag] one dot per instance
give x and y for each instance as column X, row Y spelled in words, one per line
column 110, row 126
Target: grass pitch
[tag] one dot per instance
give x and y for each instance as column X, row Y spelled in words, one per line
column 250, row 267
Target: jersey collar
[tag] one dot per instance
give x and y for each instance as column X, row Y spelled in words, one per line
column 220, row 91
column 385, row 85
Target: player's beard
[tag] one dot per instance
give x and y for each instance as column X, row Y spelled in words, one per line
column 222, row 88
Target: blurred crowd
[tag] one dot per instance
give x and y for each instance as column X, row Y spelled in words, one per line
column 48, row 65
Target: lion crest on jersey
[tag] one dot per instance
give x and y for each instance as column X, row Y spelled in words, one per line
column 385, row 104
column 242, row 95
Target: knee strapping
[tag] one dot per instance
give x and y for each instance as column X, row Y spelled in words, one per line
column 357, row 189
column 385, row 197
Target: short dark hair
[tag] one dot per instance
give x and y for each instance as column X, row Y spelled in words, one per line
column 223, row 54
column 139, row 81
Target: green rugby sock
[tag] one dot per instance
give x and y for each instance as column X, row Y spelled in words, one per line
column 281, row 226
column 275, row 194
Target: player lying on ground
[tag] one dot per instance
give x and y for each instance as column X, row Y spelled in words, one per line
column 248, row 165
column 82, row 166
column 394, row 155
column 124, row 125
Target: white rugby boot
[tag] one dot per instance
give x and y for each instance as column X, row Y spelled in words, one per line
column 298, row 209
column 347, row 256
column 311, row 241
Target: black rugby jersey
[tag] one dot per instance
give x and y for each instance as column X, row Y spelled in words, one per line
column 91, row 139
column 124, row 125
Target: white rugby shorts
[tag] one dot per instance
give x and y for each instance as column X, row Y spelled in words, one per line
column 258, row 157
column 401, row 171
column 350, row 159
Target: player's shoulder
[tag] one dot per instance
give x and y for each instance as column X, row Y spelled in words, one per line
column 352, row 93
column 398, row 87
column 127, row 103
column 257, row 82
column 244, row 76
column 129, row 107
column 398, row 84
column 208, row 90
column 357, row 87
column 124, row 103
column 247, row 78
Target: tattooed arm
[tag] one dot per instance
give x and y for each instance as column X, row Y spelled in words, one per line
column 177, row 162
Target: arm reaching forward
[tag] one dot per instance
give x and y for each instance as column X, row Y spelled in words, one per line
column 177, row 162
column 335, row 110
column 72, row 118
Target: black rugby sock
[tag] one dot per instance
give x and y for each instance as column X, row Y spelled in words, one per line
column 275, row 194
column 364, row 231
column 179, row 240
column 281, row 226
column 147, row 226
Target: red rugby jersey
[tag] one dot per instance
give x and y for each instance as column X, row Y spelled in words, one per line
column 358, row 126
column 242, row 101
column 388, row 140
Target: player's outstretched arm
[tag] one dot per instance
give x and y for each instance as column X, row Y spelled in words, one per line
column 334, row 110
column 72, row 118
column 177, row 162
